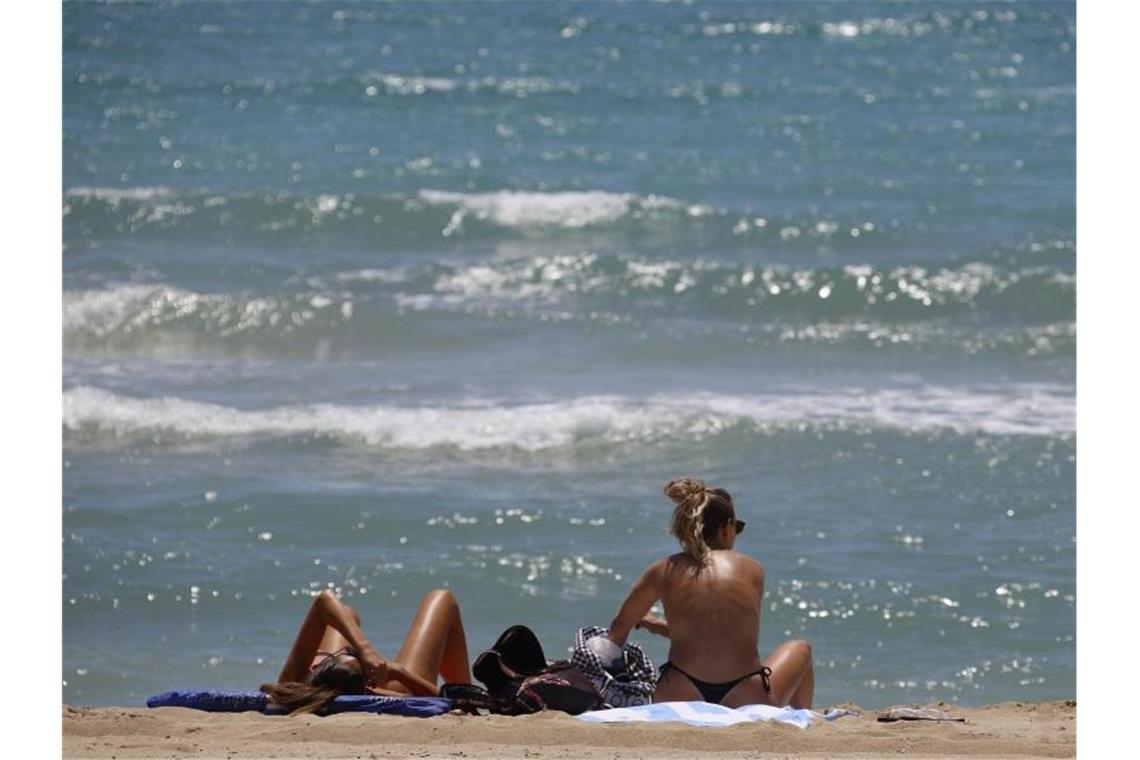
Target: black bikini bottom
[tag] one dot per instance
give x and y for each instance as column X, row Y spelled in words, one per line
column 714, row 692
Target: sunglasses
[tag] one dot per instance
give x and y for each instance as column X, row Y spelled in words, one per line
column 739, row 526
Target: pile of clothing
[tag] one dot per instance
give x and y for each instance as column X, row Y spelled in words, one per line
column 518, row 679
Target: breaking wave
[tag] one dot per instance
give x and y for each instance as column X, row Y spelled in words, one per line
column 1026, row 409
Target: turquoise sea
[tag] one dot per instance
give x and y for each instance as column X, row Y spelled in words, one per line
column 384, row 297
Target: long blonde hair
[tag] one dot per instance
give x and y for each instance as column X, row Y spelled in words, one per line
column 322, row 685
column 299, row 698
column 699, row 514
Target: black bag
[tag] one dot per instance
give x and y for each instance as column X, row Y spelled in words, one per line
column 475, row 700
column 515, row 655
column 562, row 687
column 520, row 680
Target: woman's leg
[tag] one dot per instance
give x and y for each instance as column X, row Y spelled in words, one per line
column 793, row 678
column 675, row 687
column 436, row 644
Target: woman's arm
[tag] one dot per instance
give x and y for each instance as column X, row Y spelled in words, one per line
column 326, row 611
column 654, row 625
column 646, row 590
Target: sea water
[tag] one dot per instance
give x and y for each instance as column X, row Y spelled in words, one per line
column 388, row 297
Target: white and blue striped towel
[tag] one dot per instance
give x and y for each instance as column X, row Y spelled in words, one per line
column 708, row 714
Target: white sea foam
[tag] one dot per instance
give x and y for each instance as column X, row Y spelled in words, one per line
column 1027, row 409
column 551, row 279
column 411, row 84
column 559, row 209
column 123, row 308
column 103, row 311
column 386, row 276
column 469, row 426
column 542, row 279
column 116, row 194
column 548, row 279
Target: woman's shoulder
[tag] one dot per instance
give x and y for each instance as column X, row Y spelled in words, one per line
column 747, row 560
column 674, row 561
column 739, row 562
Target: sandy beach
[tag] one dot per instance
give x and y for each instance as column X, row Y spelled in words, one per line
column 1010, row 729
column 379, row 298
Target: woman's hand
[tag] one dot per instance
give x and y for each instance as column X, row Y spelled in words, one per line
column 374, row 667
column 654, row 624
column 417, row 686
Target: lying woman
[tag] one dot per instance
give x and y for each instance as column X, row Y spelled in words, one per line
column 331, row 656
column 712, row 597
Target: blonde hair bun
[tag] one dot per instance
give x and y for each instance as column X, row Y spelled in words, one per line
column 697, row 505
column 681, row 490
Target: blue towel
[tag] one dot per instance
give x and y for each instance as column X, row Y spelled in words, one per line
column 707, row 714
column 216, row 700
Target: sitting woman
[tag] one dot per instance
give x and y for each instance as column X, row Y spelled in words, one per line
column 331, row 655
column 712, row 598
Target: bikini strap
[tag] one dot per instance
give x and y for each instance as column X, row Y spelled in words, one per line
column 765, row 676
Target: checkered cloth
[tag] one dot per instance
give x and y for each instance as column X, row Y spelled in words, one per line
column 632, row 686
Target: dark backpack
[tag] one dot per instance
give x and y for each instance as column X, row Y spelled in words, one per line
column 562, row 687
column 520, row 680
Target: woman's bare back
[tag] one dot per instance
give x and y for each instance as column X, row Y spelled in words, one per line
column 714, row 613
column 713, row 599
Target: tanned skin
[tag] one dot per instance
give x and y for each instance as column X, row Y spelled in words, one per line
column 712, row 621
column 435, row 646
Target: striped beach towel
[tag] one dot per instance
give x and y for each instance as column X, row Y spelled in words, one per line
column 707, row 714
